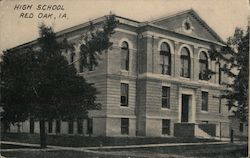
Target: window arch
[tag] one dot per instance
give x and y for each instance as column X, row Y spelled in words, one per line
column 203, row 61
column 165, row 58
column 185, row 62
column 125, row 56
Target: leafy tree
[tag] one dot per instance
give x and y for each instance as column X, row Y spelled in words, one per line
column 38, row 82
column 95, row 42
column 235, row 57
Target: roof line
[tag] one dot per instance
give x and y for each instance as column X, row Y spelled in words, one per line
column 209, row 28
column 203, row 39
column 79, row 26
column 150, row 23
column 73, row 28
column 85, row 24
column 127, row 19
column 196, row 16
column 63, row 31
column 172, row 15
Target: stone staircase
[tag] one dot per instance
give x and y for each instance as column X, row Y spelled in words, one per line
column 199, row 133
column 194, row 130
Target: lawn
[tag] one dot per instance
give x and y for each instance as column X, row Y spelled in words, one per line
column 87, row 141
column 217, row 151
column 209, row 151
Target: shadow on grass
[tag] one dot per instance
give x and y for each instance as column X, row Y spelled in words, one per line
column 11, row 146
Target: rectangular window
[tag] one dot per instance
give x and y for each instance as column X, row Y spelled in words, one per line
column 241, row 128
column 124, row 94
column 124, row 126
column 32, row 125
column 71, row 126
column 90, row 126
column 204, row 106
column 165, row 97
column 50, row 123
column 79, row 126
column 166, row 126
column 58, row 126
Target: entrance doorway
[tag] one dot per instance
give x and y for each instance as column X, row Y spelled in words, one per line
column 185, row 108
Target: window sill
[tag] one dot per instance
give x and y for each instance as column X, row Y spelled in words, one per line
column 204, row 81
column 204, row 111
column 124, row 71
column 123, row 106
column 185, row 78
column 165, row 75
column 165, row 109
column 166, row 135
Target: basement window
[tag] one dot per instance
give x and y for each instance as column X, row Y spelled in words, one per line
column 166, row 126
column 124, row 126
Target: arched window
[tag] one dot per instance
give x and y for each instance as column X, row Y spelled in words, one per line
column 203, row 74
column 165, row 59
column 185, row 63
column 218, row 72
column 125, row 56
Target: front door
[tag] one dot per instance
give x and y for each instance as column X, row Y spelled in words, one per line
column 184, row 108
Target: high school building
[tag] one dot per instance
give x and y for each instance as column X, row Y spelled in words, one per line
column 152, row 82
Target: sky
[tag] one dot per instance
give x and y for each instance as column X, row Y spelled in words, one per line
column 18, row 26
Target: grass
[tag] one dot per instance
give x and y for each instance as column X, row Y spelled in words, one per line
column 86, row 141
column 208, row 151
column 219, row 151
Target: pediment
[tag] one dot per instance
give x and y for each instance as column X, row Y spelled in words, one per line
column 190, row 24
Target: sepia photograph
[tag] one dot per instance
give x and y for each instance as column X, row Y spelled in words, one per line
column 124, row 79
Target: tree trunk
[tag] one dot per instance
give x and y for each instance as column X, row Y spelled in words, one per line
column 43, row 143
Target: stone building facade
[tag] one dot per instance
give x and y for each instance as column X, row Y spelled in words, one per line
column 153, row 81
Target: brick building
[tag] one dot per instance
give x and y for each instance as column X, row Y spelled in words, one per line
column 153, row 81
